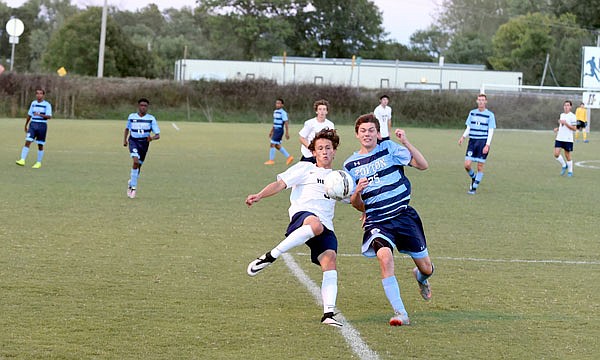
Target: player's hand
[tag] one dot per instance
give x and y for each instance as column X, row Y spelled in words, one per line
column 460, row 141
column 149, row 138
column 562, row 121
column 125, row 143
column 401, row 135
column 251, row 199
column 287, row 136
column 361, row 184
column 486, row 149
column 363, row 218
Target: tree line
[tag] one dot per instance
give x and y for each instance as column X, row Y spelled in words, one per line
column 502, row 34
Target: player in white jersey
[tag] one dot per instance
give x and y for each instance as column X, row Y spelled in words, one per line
column 564, row 138
column 311, row 217
column 312, row 127
column 383, row 113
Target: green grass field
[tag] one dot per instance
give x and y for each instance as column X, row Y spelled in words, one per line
column 86, row 272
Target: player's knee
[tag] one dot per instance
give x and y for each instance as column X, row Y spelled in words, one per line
column 328, row 259
column 315, row 225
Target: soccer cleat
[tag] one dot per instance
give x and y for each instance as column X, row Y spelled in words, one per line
column 563, row 170
column 289, row 160
column 37, row 165
column 129, row 188
column 262, row 262
column 472, row 182
column 400, row 319
column 472, row 192
column 570, row 174
column 20, row 162
column 269, row 162
column 425, row 288
column 328, row 319
column 131, row 194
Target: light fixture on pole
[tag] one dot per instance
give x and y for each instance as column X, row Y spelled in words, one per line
column 14, row 28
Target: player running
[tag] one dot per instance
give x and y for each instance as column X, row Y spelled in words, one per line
column 382, row 193
column 311, row 217
column 138, row 135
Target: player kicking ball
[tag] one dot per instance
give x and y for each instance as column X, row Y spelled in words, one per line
column 311, row 217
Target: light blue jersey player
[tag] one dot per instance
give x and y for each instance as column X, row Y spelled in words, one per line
column 280, row 123
column 36, row 127
column 141, row 129
column 383, row 193
column 480, row 129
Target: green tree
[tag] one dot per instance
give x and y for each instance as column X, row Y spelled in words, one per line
column 338, row 28
column 522, row 44
column 432, row 41
column 121, row 58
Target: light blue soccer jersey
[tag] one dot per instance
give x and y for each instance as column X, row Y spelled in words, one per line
column 141, row 126
column 279, row 117
column 480, row 122
column 388, row 190
column 43, row 108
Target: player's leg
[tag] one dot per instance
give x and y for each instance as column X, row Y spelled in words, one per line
column 569, row 163
column 478, row 176
column 304, row 226
column 560, row 159
column 385, row 256
column 585, row 133
column 40, row 136
column 29, row 137
column 422, row 272
column 323, row 253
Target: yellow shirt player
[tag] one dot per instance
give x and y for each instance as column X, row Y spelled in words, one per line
column 581, row 116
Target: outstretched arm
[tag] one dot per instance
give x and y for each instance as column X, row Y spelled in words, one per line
column 269, row 190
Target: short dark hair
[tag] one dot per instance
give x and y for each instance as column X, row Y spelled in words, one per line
column 384, row 96
column 366, row 118
column 484, row 95
column 280, row 99
column 568, row 101
column 329, row 134
column 42, row 90
column 141, row 100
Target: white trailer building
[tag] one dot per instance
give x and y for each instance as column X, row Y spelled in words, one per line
column 374, row 74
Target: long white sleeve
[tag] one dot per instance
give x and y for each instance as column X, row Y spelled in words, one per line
column 490, row 135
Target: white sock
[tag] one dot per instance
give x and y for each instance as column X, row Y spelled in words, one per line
column 329, row 290
column 570, row 165
column 561, row 161
column 296, row 238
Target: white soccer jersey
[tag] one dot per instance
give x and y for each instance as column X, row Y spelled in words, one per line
column 383, row 114
column 308, row 191
column 564, row 133
column 310, row 130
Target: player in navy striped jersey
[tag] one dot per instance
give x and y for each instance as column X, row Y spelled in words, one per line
column 311, row 217
column 480, row 129
column 382, row 193
column 280, row 123
column 141, row 129
column 36, row 127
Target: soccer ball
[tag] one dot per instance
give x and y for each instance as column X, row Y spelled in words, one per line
column 339, row 185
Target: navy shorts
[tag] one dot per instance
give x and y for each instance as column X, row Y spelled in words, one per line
column 318, row 244
column 138, row 147
column 37, row 131
column 277, row 136
column 475, row 150
column 580, row 124
column 566, row 145
column 403, row 232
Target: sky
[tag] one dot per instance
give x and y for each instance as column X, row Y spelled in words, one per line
column 401, row 18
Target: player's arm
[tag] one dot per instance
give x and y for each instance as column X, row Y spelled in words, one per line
column 287, row 130
column 153, row 137
column 125, row 136
column 269, row 190
column 488, row 141
column 27, row 122
column 464, row 135
column 418, row 161
column 356, row 198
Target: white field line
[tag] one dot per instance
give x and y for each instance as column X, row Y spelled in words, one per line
column 350, row 334
column 175, row 126
column 543, row 261
column 587, row 164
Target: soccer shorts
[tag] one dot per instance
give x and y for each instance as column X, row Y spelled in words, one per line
column 580, row 124
column 475, row 150
column 566, row 145
column 318, row 244
column 277, row 136
column 138, row 147
column 403, row 232
column 37, row 131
